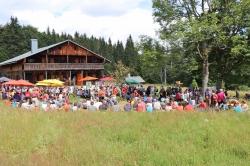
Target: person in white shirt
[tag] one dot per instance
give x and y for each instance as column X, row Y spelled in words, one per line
column 74, row 107
column 156, row 105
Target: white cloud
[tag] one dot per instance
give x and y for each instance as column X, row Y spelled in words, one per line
column 86, row 6
column 108, row 18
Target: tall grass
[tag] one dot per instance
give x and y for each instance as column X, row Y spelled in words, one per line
column 106, row 138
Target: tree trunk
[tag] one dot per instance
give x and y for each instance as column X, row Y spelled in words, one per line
column 165, row 75
column 161, row 75
column 205, row 76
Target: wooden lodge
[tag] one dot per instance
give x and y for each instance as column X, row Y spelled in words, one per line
column 67, row 61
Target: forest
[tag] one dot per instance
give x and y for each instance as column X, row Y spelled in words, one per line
column 156, row 60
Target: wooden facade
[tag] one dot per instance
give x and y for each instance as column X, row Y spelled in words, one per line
column 66, row 61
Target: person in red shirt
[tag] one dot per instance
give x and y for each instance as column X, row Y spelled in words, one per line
column 45, row 96
column 221, row 97
column 101, row 94
column 188, row 108
column 179, row 107
column 136, row 94
column 178, row 96
column 214, row 99
column 203, row 105
column 27, row 94
column 124, row 91
column 141, row 106
column 115, row 91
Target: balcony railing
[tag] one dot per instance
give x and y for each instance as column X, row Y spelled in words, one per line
column 62, row 66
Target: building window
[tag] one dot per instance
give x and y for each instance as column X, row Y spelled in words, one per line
column 31, row 60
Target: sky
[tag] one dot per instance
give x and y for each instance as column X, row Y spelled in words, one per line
column 116, row 19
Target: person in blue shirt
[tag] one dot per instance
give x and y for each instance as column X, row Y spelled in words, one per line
column 237, row 107
column 17, row 97
column 224, row 106
column 149, row 107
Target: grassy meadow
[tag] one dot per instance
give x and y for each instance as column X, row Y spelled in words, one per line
column 108, row 138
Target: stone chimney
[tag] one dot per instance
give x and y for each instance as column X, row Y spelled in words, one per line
column 34, row 45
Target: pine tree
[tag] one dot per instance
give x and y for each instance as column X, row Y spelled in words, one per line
column 12, row 39
column 130, row 53
column 119, row 52
column 110, row 54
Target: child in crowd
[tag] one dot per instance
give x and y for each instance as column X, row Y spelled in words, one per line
column 237, row 107
column 128, row 106
column 149, row 107
column 203, row 105
column 244, row 106
column 141, row 106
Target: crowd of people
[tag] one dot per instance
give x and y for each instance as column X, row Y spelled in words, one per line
column 119, row 98
column 174, row 99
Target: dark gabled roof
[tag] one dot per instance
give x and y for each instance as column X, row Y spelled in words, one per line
column 39, row 50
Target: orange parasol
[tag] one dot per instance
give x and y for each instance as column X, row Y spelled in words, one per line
column 24, row 83
column 10, row 82
column 18, row 83
column 108, row 78
column 88, row 78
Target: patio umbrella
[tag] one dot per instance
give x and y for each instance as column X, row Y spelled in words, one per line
column 18, row 83
column 4, row 79
column 108, row 78
column 47, row 84
column 11, row 82
column 24, row 83
column 88, row 78
column 50, row 82
column 41, row 84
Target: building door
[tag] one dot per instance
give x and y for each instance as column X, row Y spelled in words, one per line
column 73, row 77
column 29, row 76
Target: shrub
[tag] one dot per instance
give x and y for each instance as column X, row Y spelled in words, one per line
column 194, row 84
column 244, row 88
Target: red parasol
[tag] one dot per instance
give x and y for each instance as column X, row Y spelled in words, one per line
column 88, row 78
column 11, row 82
column 24, row 83
column 18, row 83
column 108, row 78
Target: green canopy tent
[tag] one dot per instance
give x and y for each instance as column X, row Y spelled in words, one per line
column 131, row 81
column 134, row 80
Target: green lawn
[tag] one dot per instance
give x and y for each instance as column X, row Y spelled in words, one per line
column 106, row 138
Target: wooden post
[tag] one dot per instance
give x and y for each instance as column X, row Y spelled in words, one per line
column 86, row 59
column 81, row 76
column 102, row 73
column 24, row 75
column 47, row 58
column 67, row 59
column 70, row 77
column 33, row 76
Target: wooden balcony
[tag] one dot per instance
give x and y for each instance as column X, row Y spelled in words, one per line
column 62, row 66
